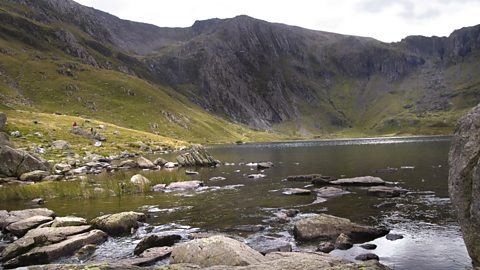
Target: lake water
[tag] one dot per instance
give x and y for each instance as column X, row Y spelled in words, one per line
column 432, row 239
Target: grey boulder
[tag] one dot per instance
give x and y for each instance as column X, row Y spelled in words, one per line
column 119, row 223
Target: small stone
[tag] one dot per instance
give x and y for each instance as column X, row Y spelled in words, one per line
column 217, row 178
column 264, row 165
column 325, row 247
column 38, row 201
column 393, row 237
column 368, row 246
column 169, row 165
column 296, row 191
column 343, row 242
column 367, row 257
column 256, row 176
column 60, row 144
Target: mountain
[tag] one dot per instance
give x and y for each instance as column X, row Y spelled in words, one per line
column 263, row 75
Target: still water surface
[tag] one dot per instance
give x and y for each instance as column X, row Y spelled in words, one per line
column 432, row 239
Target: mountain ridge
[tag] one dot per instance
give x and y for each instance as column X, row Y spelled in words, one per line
column 278, row 77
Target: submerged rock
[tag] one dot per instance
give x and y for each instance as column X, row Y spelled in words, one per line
column 296, row 191
column 303, row 178
column 368, row 246
column 393, row 237
column 330, row 192
column 156, row 241
column 367, row 257
column 386, row 192
column 464, row 180
column 119, row 223
column 184, row 185
column 215, row 250
column 197, row 156
column 330, row 227
column 359, row 181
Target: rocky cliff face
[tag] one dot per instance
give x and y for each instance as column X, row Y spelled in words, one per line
column 464, row 180
column 275, row 76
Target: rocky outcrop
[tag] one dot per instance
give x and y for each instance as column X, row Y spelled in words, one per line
column 7, row 218
column 197, row 156
column 330, row 227
column 119, row 223
column 14, row 163
column 215, row 250
column 21, row 227
column 464, row 180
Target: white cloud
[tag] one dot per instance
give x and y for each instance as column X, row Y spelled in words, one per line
column 386, row 20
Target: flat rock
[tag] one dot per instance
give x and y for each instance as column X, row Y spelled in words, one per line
column 68, row 221
column 215, row 250
column 464, row 180
column 330, row 192
column 148, row 257
column 217, row 178
column 119, row 223
column 7, row 218
column 21, row 227
column 34, row 176
column 264, row 165
column 265, row 244
column 185, row 185
column 296, row 191
column 386, row 192
column 329, row 227
column 156, row 241
column 359, row 181
column 49, row 253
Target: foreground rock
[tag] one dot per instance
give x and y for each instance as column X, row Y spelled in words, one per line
column 14, row 163
column 215, row 250
column 386, row 192
column 118, row 224
column 359, row 181
column 7, row 218
column 156, row 241
column 329, row 227
column 464, row 180
column 197, row 156
column 49, row 253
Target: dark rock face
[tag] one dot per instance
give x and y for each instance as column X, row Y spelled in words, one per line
column 464, row 180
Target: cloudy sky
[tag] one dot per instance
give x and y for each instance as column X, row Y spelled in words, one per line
column 386, row 20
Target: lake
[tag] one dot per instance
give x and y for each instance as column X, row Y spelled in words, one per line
column 431, row 235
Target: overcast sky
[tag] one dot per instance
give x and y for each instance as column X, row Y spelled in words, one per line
column 386, row 20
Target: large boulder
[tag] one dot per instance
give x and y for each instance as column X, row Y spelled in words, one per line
column 464, row 180
column 197, row 156
column 215, row 250
column 329, row 227
column 3, row 120
column 14, row 163
column 140, row 180
column 119, row 223
column 7, row 218
column 48, row 253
